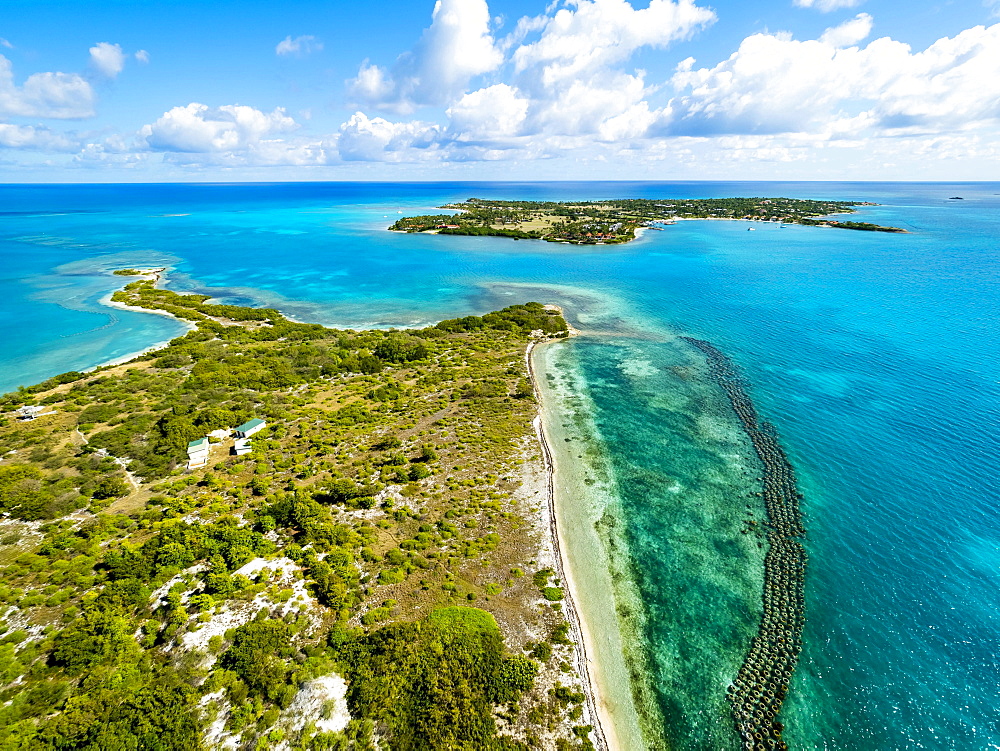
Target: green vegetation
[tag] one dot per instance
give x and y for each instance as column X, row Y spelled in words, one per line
column 863, row 226
column 145, row 603
column 435, row 683
column 127, row 272
column 552, row 594
column 612, row 222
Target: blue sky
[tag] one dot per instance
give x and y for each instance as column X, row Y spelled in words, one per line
column 140, row 90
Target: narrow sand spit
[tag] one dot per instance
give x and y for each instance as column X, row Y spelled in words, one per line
column 157, row 276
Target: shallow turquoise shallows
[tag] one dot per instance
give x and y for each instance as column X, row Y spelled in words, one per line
column 876, row 355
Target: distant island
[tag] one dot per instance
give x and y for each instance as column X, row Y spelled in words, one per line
column 616, row 221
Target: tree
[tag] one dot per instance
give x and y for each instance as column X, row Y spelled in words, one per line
column 399, row 348
column 101, row 634
column 256, row 656
column 434, row 683
column 112, row 486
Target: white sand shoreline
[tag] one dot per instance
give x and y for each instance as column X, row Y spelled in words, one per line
column 590, row 596
column 603, row 726
column 156, row 276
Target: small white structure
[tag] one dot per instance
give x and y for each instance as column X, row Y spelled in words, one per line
column 198, row 453
column 250, row 427
column 242, row 446
column 30, row 412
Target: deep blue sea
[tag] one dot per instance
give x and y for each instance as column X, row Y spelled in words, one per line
column 877, row 356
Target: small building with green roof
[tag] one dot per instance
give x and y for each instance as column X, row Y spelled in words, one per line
column 250, row 427
column 198, row 453
column 198, row 446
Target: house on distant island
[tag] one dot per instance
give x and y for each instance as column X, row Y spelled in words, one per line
column 250, row 427
column 198, row 453
column 242, row 446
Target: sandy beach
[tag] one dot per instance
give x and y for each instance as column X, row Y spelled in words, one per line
column 590, row 596
column 603, row 729
column 157, row 276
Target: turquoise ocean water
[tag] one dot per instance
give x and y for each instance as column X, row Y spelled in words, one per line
column 877, row 357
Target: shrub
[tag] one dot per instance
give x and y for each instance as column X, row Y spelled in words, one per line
column 541, row 577
column 113, row 486
column 256, row 656
column 434, row 683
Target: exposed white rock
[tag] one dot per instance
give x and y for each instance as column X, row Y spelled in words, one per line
column 215, row 736
column 159, row 596
column 322, row 701
column 234, row 613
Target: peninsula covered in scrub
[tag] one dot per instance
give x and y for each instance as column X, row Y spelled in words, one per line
column 362, row 559
column 616, row 221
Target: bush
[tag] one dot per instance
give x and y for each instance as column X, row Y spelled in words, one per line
column 23, row 492
column 552, row 594
column 434, row 683
column 560, row 634
column 113, row 486
column 541, row 651
column 102, row 634
column 541, row 577
column 418, row 472
column 401, row 348
column 256, row 656
column 484, row 389
column 523, row 318
column 427, row 454
column 97, row 413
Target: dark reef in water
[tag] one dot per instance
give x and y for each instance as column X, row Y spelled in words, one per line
column 760, row 687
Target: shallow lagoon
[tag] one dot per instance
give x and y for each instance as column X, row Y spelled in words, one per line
column 875, row 355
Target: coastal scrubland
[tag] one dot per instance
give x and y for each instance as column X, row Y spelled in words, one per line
column 383, row 530
column 616, row 221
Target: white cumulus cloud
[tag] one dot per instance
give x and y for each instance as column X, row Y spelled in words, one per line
column 377, row 139
column 142, row 56
column 50, row 95
column 775, row 84
column 454, row 49
column 850, row 32
column 497, row 111
column 108, row 59
column 301, row 45
column 587, row 36
column 568, row 75
column 573, row 63
column 30, row 137
column 198, row 128
column 565, row 84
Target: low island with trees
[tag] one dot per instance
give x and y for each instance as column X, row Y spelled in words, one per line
column 383, row 534
column 616, row 221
